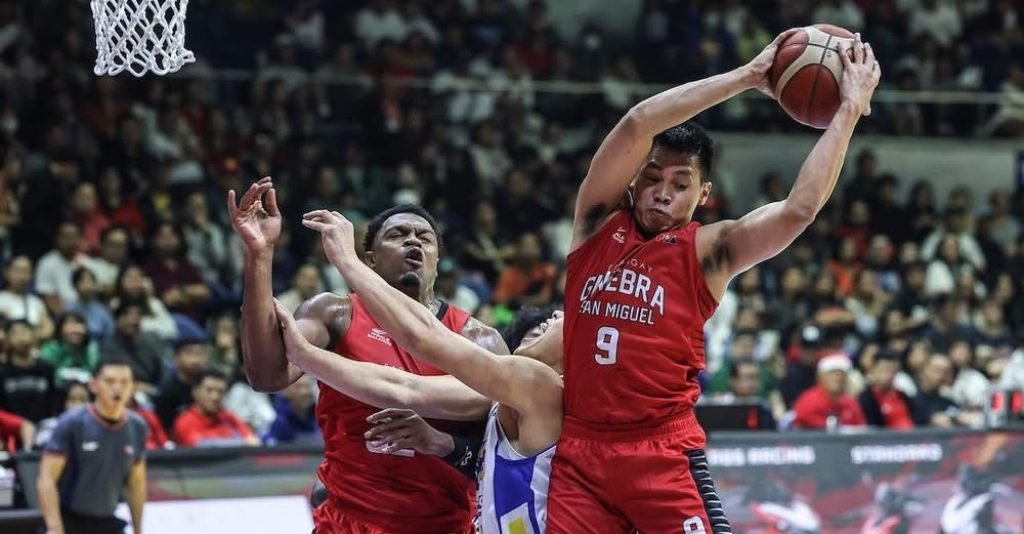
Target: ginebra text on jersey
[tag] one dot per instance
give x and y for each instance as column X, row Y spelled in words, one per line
column 627, row 282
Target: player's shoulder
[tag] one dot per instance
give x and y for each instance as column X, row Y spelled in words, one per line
column 324, row 306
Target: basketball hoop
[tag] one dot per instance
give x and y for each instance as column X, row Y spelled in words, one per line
column 140, row 36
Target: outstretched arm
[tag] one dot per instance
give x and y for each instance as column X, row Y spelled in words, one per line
column 624, row 149
column 257, row 221
column 728, row 248
column 520, row 383
column 435, row 397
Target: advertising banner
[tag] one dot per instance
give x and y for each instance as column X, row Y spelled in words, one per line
column 871, row 483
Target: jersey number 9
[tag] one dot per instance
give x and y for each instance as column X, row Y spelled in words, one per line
column 608, row 343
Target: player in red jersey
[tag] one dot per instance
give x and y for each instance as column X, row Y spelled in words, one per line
column 370, row 490
column 642, row 280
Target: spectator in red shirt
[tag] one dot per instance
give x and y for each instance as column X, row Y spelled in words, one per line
column 207, row 423
column 15, row 430
column 828, row 398
column 883, row 405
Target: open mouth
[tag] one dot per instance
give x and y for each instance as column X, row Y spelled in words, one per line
column 414, row 257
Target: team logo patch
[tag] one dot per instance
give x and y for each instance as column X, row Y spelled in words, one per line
column 668, row 239
column 379, row 334
column 90, row 446
column 620, row 235
column 128, row 449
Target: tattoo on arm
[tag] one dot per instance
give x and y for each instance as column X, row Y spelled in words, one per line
column 718, row 258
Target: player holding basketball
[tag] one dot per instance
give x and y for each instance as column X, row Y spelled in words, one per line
column 642, row 280
column 370, row 490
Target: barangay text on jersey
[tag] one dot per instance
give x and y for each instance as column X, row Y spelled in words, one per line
column 628, row 277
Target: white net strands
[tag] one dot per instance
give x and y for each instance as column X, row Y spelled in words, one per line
column 140, row 36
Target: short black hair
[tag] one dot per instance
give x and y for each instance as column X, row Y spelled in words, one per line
column 127, row 304
column 67, row 316
column 185, row 341
column 734, row 368
column 210, row 372
column 690, row 138
column 112, row 361
column 377, row 222
column 888, row 355
column 15, row 322
column 527, row 318
column 114, row 228
column 80, row 273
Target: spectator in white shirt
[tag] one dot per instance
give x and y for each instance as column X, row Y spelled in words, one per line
column 53, row 273
column 958, row 224
column 379, row 20
column 938, row 20
column 114, row 245
column 842, row 13
column 18, row 303
column 944, row 270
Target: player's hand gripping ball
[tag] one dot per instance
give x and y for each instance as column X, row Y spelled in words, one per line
column 807, row 73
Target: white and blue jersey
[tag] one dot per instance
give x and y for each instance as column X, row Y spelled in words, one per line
column 512, row 496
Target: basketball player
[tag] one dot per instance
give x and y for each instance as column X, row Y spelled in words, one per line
column 370, row 491
column 524, row 422
column 641, row 281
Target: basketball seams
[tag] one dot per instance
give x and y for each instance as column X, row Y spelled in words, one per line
column 803, row 92
column 817, row 76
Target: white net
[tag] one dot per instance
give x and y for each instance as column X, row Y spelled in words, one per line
column 140, row 36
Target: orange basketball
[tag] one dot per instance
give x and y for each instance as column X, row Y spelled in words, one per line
column 806, row 73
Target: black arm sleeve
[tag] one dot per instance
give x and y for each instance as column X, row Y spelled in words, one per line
column 466, row 453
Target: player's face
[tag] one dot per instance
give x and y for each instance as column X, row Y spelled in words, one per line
column 113, row 385
column 405, row 253
column 531, row 348
column 668, row 190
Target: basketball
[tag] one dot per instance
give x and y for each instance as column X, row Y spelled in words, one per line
column 806, row 73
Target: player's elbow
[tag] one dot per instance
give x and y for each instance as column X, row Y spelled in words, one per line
column 799, row 214
column 632, row 123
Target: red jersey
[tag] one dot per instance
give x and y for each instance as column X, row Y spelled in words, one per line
column 10, row 431
column 404, row 492
column 634, row 325
column 814, row 407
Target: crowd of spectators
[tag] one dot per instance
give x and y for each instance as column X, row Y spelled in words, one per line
column 115, row 241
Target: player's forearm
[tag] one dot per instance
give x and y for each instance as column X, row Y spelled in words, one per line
column 408, row 322
column 263, row 358
column 674, row 106
column 820, row 171
column 376, row 385
column 49, row 505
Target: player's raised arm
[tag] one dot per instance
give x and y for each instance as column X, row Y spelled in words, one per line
column 435, row 397
column 731, row 247
column 624, row 149
column 521, row 383
column 257, row 221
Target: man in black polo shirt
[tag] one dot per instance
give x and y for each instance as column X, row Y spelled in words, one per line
column 96, row 451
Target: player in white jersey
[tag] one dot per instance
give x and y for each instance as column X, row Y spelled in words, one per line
column 525, row 421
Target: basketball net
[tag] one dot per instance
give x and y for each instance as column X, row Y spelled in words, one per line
column 140, row 36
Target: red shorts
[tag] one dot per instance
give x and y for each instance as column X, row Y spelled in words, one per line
column 650, row 480
column 329, row 519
